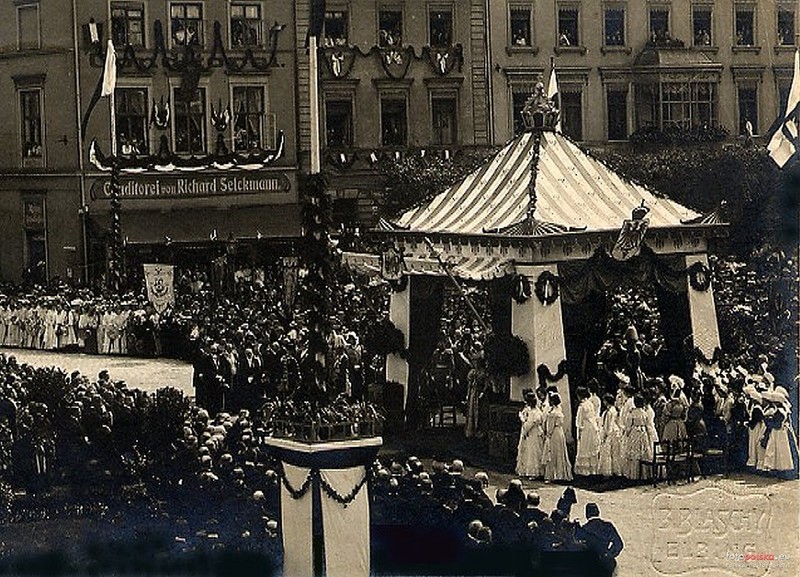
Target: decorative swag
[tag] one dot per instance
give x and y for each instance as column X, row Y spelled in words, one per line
column 577, row 280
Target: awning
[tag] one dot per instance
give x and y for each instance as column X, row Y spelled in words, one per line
column 204, row 224
column 573, row 191
column 466, row 267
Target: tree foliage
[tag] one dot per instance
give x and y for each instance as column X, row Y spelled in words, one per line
column 700, row 177
column 414, row 178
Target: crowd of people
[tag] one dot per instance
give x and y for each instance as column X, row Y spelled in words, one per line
column 410, row 494
column 746, row 414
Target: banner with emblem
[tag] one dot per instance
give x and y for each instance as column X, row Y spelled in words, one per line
column 160, row 279
column 629, row 242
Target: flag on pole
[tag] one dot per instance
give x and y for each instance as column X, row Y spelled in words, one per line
column 783, row 143
column 109, row 71
column 552, row 92
column 105, row 85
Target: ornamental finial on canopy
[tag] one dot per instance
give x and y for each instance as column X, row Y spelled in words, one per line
column 540, row 112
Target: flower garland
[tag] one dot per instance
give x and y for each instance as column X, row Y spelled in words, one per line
column 704, row 360
column 384, row 338
column 547, row 288
column 316, row 475
column 699, row 276
column 545, row 376
column 521, row 290
column 507, row 355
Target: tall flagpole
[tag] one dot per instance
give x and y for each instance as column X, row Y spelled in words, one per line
column 313, row 92
column 115, row 264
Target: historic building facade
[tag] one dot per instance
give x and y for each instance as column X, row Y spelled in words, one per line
column 213, row 114
column 396, row 77
column 204, row 119
column 626, row 65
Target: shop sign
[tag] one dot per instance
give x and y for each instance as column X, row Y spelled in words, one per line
column 193, row 186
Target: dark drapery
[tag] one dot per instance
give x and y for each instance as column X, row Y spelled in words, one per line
column 676, row 328
column 584, row 330
column 427, row 296
column 602, row 273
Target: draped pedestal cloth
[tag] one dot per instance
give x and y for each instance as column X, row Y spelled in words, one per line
column 296, row 523
column 346, row 526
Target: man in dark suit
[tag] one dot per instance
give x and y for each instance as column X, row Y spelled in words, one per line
column 248, row 381
column 600, row 537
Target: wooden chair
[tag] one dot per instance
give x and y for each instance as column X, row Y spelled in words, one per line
column 681, row 459
column 658, row 464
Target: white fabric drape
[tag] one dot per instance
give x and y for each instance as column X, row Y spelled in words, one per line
column 298, row 558
column 346, row 527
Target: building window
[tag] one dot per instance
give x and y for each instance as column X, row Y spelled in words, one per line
column 748, row 109
column 245, row 25
column 745, row 26
column 186, row 23
column 614, row 26
column 394, row 128
column 190, row 123
column 127, row 24
column 336, row 28
column 519, row 96
column 440, row 24
column 390, row 27
column 339, row 123
column 248, row 117
column 30, row 105
column 444, row 119
column 659, row 25
column 617, row 100
column 688, row 104
column 131, row 113
column 785, row 26
column 572, row 114
column 28, row 26
column 520, row 27
column 568, row 30
column 702, row 25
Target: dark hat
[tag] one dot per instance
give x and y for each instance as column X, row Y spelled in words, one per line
column 592, row 510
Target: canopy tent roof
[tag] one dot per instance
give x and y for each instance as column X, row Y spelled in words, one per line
column 573, row 192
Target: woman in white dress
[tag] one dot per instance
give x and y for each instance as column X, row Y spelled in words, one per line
column 556, row 461
column 778, row 450
column 610, row 462
column 529, row 449
column 637, row 438
column 588, row 430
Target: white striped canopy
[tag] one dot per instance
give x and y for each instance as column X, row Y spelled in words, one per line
column 573, row 190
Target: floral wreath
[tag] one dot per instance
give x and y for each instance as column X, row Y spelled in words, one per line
column 521, row 290
column 547, row 288
column 699, row 276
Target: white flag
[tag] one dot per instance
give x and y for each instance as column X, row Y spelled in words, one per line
column 552, row 93
column 783, row 144
column 109, row 71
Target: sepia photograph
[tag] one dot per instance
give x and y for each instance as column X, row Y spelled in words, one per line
column 418, row 288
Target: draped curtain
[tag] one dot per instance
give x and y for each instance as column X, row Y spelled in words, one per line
column 427, row 297
column 603, row 273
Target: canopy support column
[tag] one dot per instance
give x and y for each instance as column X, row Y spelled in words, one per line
column 400, row 315
column 541, row 326
column 705, row 332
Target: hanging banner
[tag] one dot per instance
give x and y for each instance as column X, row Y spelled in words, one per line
column 160, row 279
column 296, row 516
column 346, row 525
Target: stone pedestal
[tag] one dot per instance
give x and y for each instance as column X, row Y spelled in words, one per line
column 337, row 467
